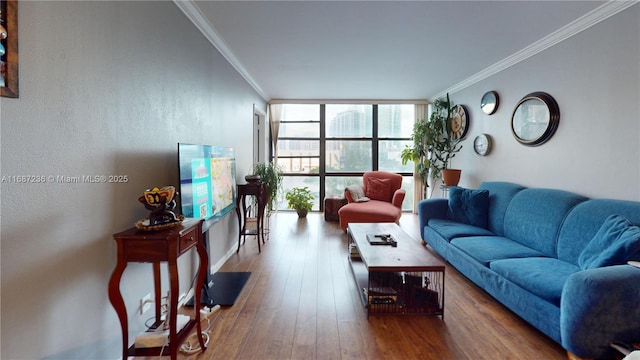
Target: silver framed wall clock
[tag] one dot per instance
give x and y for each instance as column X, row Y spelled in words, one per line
column 482, row 144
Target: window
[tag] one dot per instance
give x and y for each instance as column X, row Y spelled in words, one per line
column 327, row 147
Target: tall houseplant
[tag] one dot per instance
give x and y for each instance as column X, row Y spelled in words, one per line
column 271, row 175
column 447, row 145
column 433, row 142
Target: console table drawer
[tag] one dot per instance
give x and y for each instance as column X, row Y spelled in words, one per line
column 187, row 241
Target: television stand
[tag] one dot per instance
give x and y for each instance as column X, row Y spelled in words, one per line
column 155, row 247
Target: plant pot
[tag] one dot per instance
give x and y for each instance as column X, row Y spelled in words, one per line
column 302, row 213
column 451, row 177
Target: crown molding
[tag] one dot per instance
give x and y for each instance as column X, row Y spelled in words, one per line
column 349, row 101
column 194, row 14
column 590, row 19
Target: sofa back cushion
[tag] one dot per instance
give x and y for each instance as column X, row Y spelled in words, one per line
column 534, row 217
column 500, row 195
column 584, row 221
column 616, row 242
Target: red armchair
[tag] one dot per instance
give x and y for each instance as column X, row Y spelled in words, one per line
column 378, row 199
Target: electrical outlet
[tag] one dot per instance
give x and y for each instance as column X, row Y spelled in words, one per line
column 145, row 303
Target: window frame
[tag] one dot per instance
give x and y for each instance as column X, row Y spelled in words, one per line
column 322, row 174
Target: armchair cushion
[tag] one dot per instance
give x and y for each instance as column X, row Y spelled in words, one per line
column 378, row 189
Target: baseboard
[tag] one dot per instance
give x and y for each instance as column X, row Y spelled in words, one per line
column 218, row 265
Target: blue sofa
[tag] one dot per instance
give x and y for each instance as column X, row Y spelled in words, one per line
column 553, row 257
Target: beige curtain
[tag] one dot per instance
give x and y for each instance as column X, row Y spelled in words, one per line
column 275, row 116
column 418, row 186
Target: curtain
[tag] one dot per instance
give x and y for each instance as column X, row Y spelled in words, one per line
column 418, row 186
column 275, row 116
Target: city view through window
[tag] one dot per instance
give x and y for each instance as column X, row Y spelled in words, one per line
column 327, row 147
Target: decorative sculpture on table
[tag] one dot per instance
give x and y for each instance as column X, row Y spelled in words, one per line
column 9, row 48
column 161, row 202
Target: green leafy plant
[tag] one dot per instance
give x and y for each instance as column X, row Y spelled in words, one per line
column 433, row 142
column 299, row 198
column 271, row 175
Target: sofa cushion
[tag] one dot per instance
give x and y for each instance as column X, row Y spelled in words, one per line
column 469, row 206
column 368, row 212
column 542, row 276
column 584, row 221
column 534, row 217
column 500, row 195
column 449, row 229
column 486, row 249
column 616, row 241
column 378, row 189
column 357, row 193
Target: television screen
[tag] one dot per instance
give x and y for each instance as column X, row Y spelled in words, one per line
column 207, row 180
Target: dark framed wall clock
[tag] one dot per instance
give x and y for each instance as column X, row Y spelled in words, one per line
column 489, row 103
column 535, row 119
column 459, row 122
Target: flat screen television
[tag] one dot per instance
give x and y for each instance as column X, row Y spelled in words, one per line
column 207, row 180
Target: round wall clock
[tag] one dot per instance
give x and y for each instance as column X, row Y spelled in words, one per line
column 482, row 144
column 535, row 119
column 459, row 122
column 489, row 102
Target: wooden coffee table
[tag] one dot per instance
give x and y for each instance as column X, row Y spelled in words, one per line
column 401, row 279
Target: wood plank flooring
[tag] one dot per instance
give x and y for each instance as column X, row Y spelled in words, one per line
column 301, row 302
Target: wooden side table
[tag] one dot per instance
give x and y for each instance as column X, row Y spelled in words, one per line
column 332, row 204
column 154, row 247
column 258, row 190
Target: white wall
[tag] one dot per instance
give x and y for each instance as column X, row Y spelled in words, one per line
column 595, row 78
column 109, row 88
column 106, row 88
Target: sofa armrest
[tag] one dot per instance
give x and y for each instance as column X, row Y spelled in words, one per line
column 398, row 198
column 431, row 209
column 599, row 306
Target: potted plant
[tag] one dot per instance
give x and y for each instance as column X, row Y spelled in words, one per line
column 433, row 143
column 446, row 145
column 271, row 175
column 300, row 199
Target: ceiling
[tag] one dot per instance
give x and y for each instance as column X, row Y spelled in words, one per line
column 382, row 50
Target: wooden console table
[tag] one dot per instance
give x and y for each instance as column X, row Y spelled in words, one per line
column 258, row 190
column 154, row 247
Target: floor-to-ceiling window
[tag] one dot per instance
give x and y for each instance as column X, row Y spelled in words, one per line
column 326, row 147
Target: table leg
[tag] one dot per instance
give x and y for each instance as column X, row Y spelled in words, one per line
column 157, row 286
column 115, row 296
column 239, row 223
column 203, row 270
column 173, row 307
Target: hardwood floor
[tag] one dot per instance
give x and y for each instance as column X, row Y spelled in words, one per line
column 301, row 302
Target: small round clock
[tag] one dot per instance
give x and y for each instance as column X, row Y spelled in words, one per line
column 482, row 144
column 489, row 102
column 459, row 122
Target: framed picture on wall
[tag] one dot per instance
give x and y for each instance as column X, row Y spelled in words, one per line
column 9, row 48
